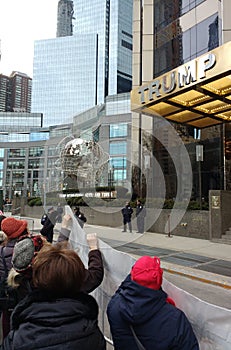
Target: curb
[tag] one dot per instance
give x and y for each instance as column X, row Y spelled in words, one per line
column 209, row 278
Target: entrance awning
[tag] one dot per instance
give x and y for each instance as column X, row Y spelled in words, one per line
column 197, row 93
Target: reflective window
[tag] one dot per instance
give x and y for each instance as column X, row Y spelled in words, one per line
column 20, row 164
column 172, row 52
column 201, row 38
column 118, row 162
column 1, row 152
column 53, row 151
column 120, row 174
column 35, row 163
column 15, row 153
column 39, row 136
column 118, row 130
column 36, row 151
column 188, row 5
column 118, row 148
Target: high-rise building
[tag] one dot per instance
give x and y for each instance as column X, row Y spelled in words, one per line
column 65, row 75
column 169, row 39
column 15, row 92
column 65, row 16
column 97, row 58
column 112, row 21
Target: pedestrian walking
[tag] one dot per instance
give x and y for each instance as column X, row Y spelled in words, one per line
column 127, row 216
column 140, row 216
column 142, row 317
column 56, row 314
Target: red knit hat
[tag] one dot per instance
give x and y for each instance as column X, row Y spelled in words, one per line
column 147, row 272
column 12, row 227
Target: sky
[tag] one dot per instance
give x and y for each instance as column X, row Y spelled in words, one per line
column 21, row 23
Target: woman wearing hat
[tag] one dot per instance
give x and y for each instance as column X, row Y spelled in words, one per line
column 142, row 317
column 13, row 229
column 56, row 314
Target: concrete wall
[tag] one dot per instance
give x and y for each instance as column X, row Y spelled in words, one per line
column 195, row 223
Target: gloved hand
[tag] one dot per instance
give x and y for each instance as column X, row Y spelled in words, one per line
column 92, row 241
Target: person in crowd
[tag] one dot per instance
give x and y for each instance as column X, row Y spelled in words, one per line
column 49, row 224
column 141, row 316
column 140, row 216
column 2, row 234
column 24, row 253
column 13, row 229
column 95, row 272
column 81, row 218
column 127, row 216
column 56, row 314
column 59, row 213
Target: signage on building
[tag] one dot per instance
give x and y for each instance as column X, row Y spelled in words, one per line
column 191, row 72
column 101, row 194
column 196, row 93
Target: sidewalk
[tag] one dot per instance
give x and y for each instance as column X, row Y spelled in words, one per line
column 153, row 241
column 146, row 244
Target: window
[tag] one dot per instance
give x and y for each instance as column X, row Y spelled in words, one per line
column 201, row 38
column 36, row 151
column 20, row 152
column 188, row 5
column 118, row 162
column 118, row 130
column 118, row 148
column 126, row 44
column 120, row 174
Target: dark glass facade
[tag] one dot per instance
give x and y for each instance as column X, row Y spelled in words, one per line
column 175, row 43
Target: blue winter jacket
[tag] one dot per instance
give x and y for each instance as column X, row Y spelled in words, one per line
column 157, row 324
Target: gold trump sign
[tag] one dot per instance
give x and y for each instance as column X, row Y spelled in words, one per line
column 207, row 75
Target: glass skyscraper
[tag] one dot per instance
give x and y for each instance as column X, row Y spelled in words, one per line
column 64, row 77
column 74, row 73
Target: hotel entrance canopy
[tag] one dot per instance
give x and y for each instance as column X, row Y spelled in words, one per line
column 197, row 93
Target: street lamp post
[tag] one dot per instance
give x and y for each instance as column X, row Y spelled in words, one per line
column 199, row 158
column 110, row 180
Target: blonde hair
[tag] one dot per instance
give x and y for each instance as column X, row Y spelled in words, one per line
column 12, row 278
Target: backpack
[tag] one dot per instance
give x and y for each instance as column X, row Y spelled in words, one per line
column 8, row 295
column 43, row 219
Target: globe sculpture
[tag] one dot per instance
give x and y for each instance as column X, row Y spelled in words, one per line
column 85, row 159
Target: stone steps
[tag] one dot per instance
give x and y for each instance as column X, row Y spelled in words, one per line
column 227, row 236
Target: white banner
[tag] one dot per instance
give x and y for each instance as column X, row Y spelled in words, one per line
column 212, row 324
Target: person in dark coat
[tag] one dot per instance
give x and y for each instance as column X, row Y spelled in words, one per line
column 48, row 226
column 140, row 216
column 81, row 218
column 13, row 229
column 127, row 216
column 56, row 314
column 140, row 308
column 95, row 272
